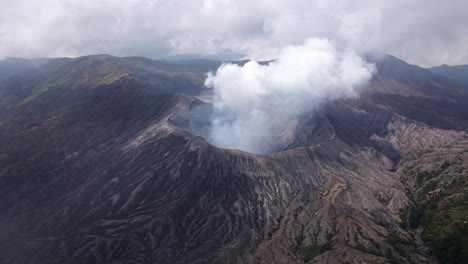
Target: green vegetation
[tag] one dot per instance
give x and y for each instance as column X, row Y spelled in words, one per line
column 308, row 253
column 442, row 215
column 62, row 79
column 366, row 250
column 373, row 251
column 445, row 227
column 35, row 94
column 395, row 239
column 430, row 186
column 427, row 175
column 452, row 248
column 446, row 230
column 414, row 216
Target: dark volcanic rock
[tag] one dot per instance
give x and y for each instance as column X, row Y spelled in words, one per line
column 120, row 174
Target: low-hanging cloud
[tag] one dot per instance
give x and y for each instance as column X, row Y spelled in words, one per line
column 425, row 32
column 255, row 101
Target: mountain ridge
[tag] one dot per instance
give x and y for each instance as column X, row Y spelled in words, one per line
column 120, row 173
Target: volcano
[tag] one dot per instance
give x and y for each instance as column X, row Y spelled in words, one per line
column 109, row 160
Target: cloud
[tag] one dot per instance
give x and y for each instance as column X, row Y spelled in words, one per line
column 255, row 102
column 426, row 32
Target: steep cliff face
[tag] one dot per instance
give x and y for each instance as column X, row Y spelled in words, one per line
column 126, row 176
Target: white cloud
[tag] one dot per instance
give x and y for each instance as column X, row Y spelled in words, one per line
column 253, row 102
column 426, row 32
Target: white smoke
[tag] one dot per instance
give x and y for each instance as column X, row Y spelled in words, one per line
column 254, row 101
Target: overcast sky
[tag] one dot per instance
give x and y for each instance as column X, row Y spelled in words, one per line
column 424, row 32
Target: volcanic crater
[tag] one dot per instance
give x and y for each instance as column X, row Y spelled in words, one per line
column 307, row 129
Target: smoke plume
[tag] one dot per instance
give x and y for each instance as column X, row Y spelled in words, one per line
column 255, row 101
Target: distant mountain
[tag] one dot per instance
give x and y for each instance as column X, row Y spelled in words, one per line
column 12, row 66
column 418, row 93
column 458, row 72
column 60, row 82
column 103, row 160
column 402, row 71
column 227, row 55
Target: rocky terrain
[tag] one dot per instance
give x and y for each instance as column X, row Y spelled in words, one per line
column 105, row 160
